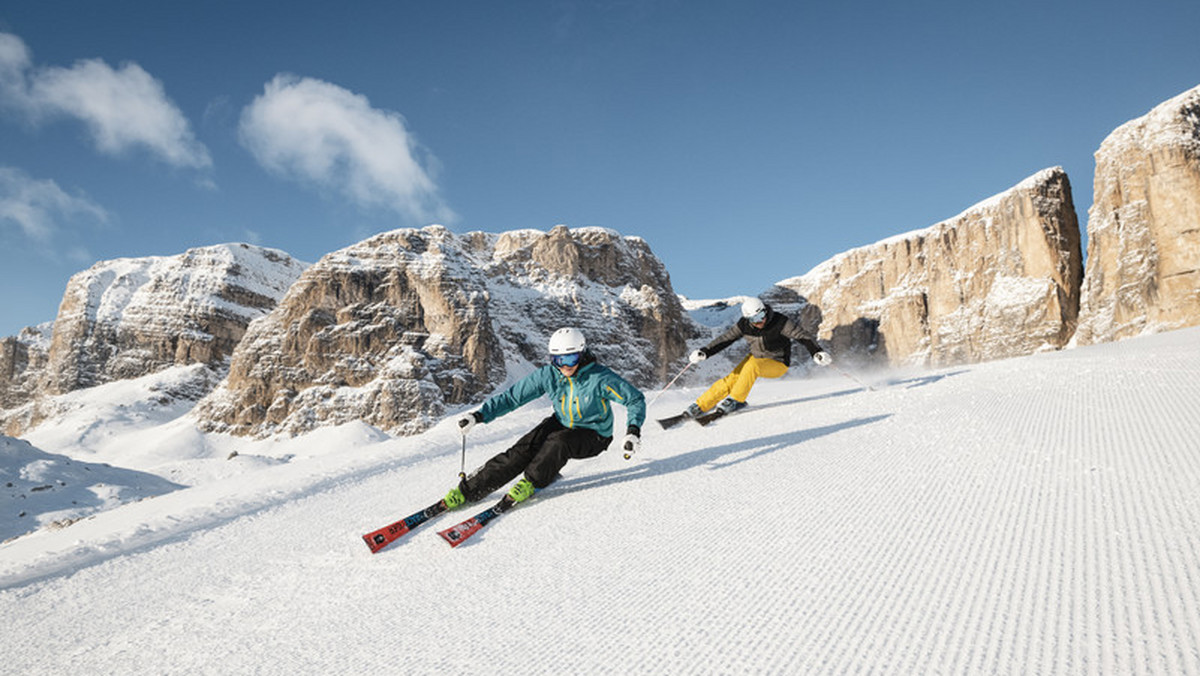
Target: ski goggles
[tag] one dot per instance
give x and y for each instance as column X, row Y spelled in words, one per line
column 567, row 360
column 757, row 317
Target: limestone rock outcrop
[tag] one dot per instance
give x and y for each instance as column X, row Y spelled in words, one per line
column 398, row 328
column 999, row 280
column 1143, row 267
column 128, row 317
column 22, row 359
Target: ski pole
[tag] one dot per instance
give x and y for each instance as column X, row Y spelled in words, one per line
column 856, row 380
column 462, row 472
column 663, row 390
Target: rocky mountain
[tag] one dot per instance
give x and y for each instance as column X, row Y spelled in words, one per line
column 398, row 328
column 1001, row 279
column 22, row 358
column 1143, row 269
column 127, row 317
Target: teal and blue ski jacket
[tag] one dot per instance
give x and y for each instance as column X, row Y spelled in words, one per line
column 582, row 400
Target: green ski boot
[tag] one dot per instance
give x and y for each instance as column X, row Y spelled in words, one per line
column 454, row 499
column 521, row 490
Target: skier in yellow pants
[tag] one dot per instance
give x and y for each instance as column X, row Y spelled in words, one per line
column 770, row 335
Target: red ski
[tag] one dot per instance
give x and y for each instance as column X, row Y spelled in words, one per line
column 456, row 535
column 378, row 539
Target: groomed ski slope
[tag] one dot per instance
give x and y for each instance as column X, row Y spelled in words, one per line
column 1038, row 515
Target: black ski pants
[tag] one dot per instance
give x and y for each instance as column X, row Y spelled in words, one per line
column 541, row 454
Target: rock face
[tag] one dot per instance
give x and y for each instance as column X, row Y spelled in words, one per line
column 128, row 317
column 22, row 360
column 999, row 280
column 1143, row 269
column 397, row 328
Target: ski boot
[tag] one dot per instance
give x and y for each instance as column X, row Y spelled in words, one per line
column 521, row 491
column 729, row 405
column 455, row 498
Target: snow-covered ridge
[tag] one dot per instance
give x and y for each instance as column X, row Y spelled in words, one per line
column 967, row 215
column 1172, row 123
column 37, row 337
column 199, row 279
column 128, row 317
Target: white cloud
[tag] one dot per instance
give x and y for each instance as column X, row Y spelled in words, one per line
column 124, row 109
column 321, row 133
column 37, row 208
column 14, row 61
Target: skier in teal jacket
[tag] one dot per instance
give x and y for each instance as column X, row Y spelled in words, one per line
column 582, row 392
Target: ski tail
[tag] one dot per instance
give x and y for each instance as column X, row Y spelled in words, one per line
column 378, row 539
column 669, row 422
column 458, row 534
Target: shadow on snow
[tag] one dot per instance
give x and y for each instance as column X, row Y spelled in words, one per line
column 921, row 381
column 712, row 457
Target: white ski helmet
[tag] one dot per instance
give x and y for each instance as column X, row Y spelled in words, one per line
column 567, row 340
column 754, row 310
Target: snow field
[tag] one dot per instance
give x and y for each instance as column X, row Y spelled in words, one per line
column 1035, row 515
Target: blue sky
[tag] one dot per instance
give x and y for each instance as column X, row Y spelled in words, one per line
column 745, row 141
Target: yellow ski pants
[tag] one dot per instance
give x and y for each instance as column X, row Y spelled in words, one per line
column 739, row 381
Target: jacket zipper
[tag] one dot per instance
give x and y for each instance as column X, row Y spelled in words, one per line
column 566, row 403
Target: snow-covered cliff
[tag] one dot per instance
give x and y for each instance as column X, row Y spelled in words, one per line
column 128, row 317
column 999, row 280
column 1143, row 269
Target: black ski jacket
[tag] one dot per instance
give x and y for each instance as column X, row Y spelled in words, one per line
column 772, row 341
